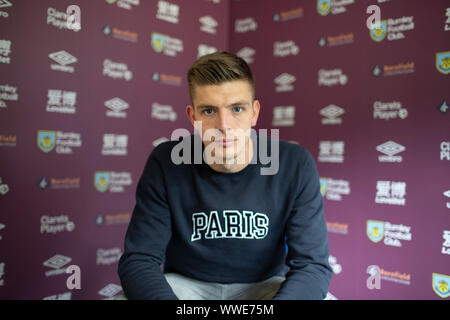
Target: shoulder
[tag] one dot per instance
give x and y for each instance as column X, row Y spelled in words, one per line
column 294, row 152
column 160, row 156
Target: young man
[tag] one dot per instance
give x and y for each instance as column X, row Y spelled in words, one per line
column 220, row 226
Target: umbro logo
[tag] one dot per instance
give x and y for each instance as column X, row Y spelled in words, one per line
column 63, row 60
column 390, row 149
column 331, row 114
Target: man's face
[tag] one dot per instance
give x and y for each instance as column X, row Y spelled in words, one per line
column 227, row 109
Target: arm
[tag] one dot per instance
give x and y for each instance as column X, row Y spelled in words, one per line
column 307, row 239
column 147, row 237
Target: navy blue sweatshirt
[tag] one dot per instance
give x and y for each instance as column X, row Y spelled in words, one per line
column 227, row 227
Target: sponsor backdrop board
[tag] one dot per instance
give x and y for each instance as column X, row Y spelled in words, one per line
column 82, row 106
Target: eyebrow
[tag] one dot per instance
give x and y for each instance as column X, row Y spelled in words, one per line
column 236, row 104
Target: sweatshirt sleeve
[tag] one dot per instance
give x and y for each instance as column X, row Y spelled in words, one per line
column 147, row 237
column 307, row 240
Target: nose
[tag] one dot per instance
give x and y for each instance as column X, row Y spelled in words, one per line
column 223, row 121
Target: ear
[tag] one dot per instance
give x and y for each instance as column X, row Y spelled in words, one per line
column 190, row 114
column 256, row 108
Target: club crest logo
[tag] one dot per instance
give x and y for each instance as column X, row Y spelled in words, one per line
column 378, row 31
column 46, row 140
column 323, row 7
column 443, row 62
column 158, row 41
column 101, row 181
column 441, row 285
column 375, row 230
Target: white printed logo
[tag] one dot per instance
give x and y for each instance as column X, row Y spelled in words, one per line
column 56, row 263
column 60, row 101
column 446, row 244
column 4, row 188
column 60, row 296
column 391, row 192
column 247, row 54
column 331, row 151
column 56, row 224
column 5, row 50
column 337, row 268
column 283, row 116
column 168, row 11
column 233, row 224
column 447, row 22
column 390, row 149
column 167, row 45
column 332, row 114
column 125, row 4
column 4, row 4
column 108, row 257
column 163, row 112
column 115, row 144
column 330, row 78
column 389, row 110
column 2, row 272
column 59, row 19
column 245, row 25
column 63, row 141
column 285, row 48
column 116, row 108
column 116, row 70
column 334, row 189
column 63, row 58
column 209, row 24
column 2, row 226
column 7, row 93
column 110, row 291
column 445, row 150
column 446, row 193
column 112, row 181
column 204, row 49
column 284, row 82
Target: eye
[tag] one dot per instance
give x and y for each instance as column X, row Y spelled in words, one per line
column 208, row 111
column 238, row 109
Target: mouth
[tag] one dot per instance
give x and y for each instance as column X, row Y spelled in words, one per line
column 227, row 142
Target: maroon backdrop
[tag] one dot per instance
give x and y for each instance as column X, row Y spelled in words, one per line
column 80, row 111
